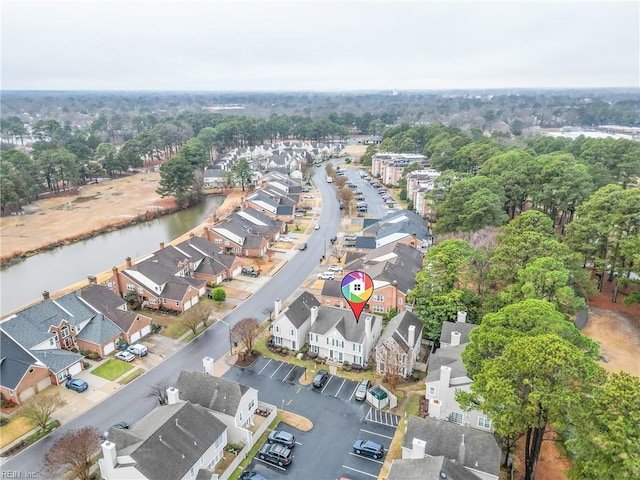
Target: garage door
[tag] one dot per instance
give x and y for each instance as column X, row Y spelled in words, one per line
column 109, row 348
column 26, row 394
column 44, row 383
column 75, row 368
column 135, row 337
column 146, row 330
column 236, row 272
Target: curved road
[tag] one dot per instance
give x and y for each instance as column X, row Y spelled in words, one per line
column 213, row 342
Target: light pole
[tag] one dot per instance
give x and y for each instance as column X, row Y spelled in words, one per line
column 230, row 345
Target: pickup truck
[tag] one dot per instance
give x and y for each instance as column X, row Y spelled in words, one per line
column 250, row 272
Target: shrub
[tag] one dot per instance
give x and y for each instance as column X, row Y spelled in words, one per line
column 312, row 355
column 356, row 366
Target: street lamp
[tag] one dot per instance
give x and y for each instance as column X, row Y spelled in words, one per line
column 230, row 345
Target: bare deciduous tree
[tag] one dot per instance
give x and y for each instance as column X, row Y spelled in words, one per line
column 40, row 408
column 390, row 360
column 245, row 331
column 259, row 261
column 270, row 254
column 338, row 251
column 346, row 195
column 71, row 454
column 195, row 316
column 158, row 390
column 268, row 310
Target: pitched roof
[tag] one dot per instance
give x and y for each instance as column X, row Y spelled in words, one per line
column 480, row 451
column 15, row 361
column 462, row 327
column 56, row 359
column 398, row 328
column 300, row 309
column 332, row 288
column 429, row 468
column 367, row 243
column 213, row 393
column 398, row 225
column 344, row 321
column 124, row 320
column 447, row 357
column 101, row 298
column 99, row 330
column 171, row 439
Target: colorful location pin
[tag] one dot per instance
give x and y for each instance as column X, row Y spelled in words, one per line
column 357, row 288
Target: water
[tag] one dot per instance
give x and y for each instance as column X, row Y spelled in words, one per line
column 54, row 270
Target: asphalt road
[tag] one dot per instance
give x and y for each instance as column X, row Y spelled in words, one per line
column 131, row 401
column 376, row 206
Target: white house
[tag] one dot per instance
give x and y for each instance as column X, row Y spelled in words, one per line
column 291, row 326
column 399, row 345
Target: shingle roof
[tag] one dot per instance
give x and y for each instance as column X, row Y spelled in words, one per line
column 448, row 357
column 14, row 361
column 101, row 298
column 213, row 393
column 428, row 468
column 343, row 321
column 300, row 309
column 462, row 327
column 403, row 221
column 332, row 288
column 481, row 449
column 398, row 328
column 57, row 359
column 124, row 320
column 368, row 243
column 99, row 330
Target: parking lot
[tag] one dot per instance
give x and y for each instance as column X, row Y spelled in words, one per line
column 326, row 451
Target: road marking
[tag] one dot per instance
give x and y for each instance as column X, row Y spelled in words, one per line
column 276, row 370
column 299, row 390
column 366, row 458
column 378, row 434
column 328, row 382
column 354, row 392
column 298, row 443
column 270, row 464
column 289, row 402
column 340, row 387
column 265, row 366
column 287, row 375
column 360, row 471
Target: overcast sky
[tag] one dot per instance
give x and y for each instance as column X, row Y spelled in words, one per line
column 318, row 45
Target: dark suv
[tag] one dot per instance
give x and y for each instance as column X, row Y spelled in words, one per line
column 250, row 272
column 368, row 448
column 283, row 438
column 321, row 378
column 275, row 453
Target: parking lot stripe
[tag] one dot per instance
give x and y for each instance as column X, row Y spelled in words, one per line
column 368, row 417
column 276, row 370
column 360, row 471
column 270, row 464
column 340, row 387
column 366, row 458
column 265, row 366
column 378, row 434
column 289, row 402
column 289, row 373
column 328, row 382
column 354, row 392
column 299, row 390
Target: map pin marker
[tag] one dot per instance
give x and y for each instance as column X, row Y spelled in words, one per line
column 357, row 288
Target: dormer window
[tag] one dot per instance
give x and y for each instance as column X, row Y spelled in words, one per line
column 64, row 332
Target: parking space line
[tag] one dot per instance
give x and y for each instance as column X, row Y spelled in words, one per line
column 374, row 433
column 366, row 458
column 328, row 382
column 354, row 392
column 265, row 366
column 299, row 390
column 270, row 464
column 360, row 471
column 340, row 387
column 287, row 375
column 276, row 370
column 289, row 402
column 298, row 443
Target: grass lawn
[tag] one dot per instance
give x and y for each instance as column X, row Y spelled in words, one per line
column 112, row 369
column 132, row 376
column 413, row 405
column 16, row 427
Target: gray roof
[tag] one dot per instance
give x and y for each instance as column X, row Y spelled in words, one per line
column 332, row 288
column 285, row 210
column 398, row 328
column 101, row 298
column 344, row 321
column 99, row 330
column 57, row 359
column 14, row 361
column 300, row 309
column 213, row 393
column 481, row 449
column 448, row 357
column 123, row 319
column 429, row 468
column 172, row 439
column 402, row 221
column 462, row 327
column 368, row 243
column 162, row 271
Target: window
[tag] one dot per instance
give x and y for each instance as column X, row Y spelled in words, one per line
column 327, row 341
column 131, row 287
column 201, row 460
column 177, row 303
column 65, row 332
column 240, row 417
column 218, row 442
column 251, row 404
column 152, row 301
column 192, row 472
column 484, row 422
column 432, row 391
column 399, row 301
column 141, row 291
column 378, row 309
column 276, row 328
column 328, row 302
column 378, row 298
column 51, row 342
column 218, row 241
column 164, row 300
column 456, row 417
column 292, row 332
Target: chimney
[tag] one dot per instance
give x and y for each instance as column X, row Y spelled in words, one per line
column 207, row 365
column 462, row 317
column 395, row 295
column 128, row 260
column 116, row 283
column 418, row 448
column 110, row 455
column 412, row 336
column 445, row 378
column 277, row 306
column 92, row 279
column 461, row 451
column 161, row 245
column 45, row 295
column 314, row 314
column 455, row 339
column 172, row 396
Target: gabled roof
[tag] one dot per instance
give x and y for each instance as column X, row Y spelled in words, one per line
column 332, row 288
column 122, row 319
column 398, row 328
column 15, row 361
column 447, row 357
column 462, row 327
column 481, row 449
column 171, row 439
column 101, row 298
column 213, row 393
column 344, row 322
column 99, row 330
column 397, row 225
column 365, row 243
column 429, row 468
column 57, row 359
column 300, row 309
column 285, row 210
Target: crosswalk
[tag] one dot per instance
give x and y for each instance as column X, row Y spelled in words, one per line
column 383, row 418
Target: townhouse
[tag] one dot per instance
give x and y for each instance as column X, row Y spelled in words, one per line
column 419, row 184
column 401, row 226
column 291, row 326
column 399, row 345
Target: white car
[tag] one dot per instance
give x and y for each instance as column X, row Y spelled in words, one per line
column 125, row 356
column 317, row 227
column 308, row 196
column 335, row 268
column 326, row 276
column 138, row 349
column 286, row 239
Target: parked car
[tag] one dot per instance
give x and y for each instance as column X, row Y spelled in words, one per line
column 363, row 387
column 308, row 197
column 286, row 239
column 306, row 189
column 321, row 378
column 121, row 425
column 76, row 384
column 297, row 214
column 275, row 453
column 335, row 268
column 283, row 438
column 326, row 276
column 125, row 356
column 252, row 476
column 317, row 227
column 250, row 272
column 368, row 448
column 351, row 237
column 303, row 246
column 138, row 349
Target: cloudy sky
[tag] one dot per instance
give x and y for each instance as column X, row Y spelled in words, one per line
column 318, row 45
